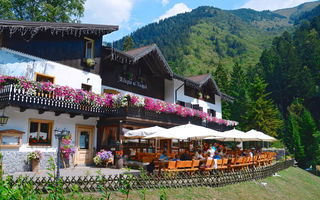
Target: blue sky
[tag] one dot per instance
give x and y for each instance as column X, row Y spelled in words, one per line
column 133, row 14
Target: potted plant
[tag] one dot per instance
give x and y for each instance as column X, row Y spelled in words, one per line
column 103, row 157
column 35, row 157
column 119, row 159
column 66, row 150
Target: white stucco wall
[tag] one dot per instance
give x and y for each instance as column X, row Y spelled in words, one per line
column 170, row 97
column 15, row 63
column 20, row 121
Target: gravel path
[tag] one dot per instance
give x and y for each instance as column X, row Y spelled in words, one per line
column 77, row 171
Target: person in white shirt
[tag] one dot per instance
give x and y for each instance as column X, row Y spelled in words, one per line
column 211, row 151
column 198, row 155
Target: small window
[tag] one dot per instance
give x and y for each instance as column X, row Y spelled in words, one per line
column 40, row 132
column 110, row 91
column 86, row 87
column 211, row 112
column 10, row 138
column 44, row 78
column 181, row 103
column 89, row 48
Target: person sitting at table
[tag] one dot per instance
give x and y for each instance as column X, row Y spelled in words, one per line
column 164, row 156
column 211, row 150
column 185, row 156
column 176, row 158
column 216, row 157
column 151, row 167
column 199, row 155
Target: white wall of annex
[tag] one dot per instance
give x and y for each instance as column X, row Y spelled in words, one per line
column 20, row 121
column 205, row 105
column 15, row 63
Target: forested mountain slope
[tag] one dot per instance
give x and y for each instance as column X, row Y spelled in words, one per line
column 196, row 42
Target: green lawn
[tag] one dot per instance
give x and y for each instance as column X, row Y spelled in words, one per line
column 293, row 183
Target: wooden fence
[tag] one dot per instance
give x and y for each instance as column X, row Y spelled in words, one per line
column 166, row 180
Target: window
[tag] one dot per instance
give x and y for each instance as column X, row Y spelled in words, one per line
column 44, row 78
column 181, row 103
column 212, row 112
column 110, row 91
column 86, row 87
column 10, row 138
column 89, row 48
column 40, row 132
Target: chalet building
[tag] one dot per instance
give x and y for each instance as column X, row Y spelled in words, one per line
column 72, row 57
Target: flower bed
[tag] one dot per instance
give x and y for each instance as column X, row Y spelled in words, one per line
column 109, row 100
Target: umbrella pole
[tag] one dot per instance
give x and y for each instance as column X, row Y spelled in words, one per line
column 201, row 144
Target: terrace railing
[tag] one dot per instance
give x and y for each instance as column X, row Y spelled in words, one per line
column 137, row 112
column 166, row 180
column 11, row 95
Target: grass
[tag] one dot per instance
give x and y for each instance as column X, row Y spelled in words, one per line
column 293, row 183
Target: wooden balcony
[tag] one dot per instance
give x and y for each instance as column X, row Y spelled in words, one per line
column 10, row 95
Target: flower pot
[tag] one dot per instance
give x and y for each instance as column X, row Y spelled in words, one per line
column 35, row 165
column 109, row 161
column 119, row 163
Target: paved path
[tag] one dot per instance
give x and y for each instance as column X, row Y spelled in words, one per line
column 76, row 171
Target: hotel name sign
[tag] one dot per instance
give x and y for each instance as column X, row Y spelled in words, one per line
column 138, row 84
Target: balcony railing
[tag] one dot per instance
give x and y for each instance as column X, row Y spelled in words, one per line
column 136, row 112
column 11, row 95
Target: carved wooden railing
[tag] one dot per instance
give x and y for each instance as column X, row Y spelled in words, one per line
column 11, row 95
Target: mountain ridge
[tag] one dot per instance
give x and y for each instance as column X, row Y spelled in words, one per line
column 196, row 42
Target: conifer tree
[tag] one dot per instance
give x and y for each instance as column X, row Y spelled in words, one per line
column 222, row 80
column 261, row 114
column 309, row 138
column 297, row 148
column 128, row 44
column 237, row 89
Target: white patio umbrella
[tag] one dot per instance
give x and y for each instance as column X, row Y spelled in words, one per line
column 143, row 132
column 234, row 135
column 261, row 136
column 183, row 132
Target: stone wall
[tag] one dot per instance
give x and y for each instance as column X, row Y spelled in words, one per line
column 14, row 161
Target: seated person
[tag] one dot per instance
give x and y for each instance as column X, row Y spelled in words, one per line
column 150, row 167
column 185, row 156
column 176, row 158
column 164, row 156
column 199, row 155
column 217, row 156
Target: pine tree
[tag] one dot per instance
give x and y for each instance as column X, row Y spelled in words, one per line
column 261, row 114
column 222, row 80
column 297, row 148
column 237, row 89
column 309, row 138
column 128, row 44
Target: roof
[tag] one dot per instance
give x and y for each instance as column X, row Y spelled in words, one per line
column 135, row 55
column 137, row 51
column 200, row 80
column 54, row 28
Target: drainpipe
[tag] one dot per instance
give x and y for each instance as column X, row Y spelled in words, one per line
column 176, row 93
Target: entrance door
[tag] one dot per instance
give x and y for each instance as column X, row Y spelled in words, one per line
column 84, row 144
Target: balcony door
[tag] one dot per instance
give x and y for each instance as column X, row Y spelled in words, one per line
column 84, row 144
